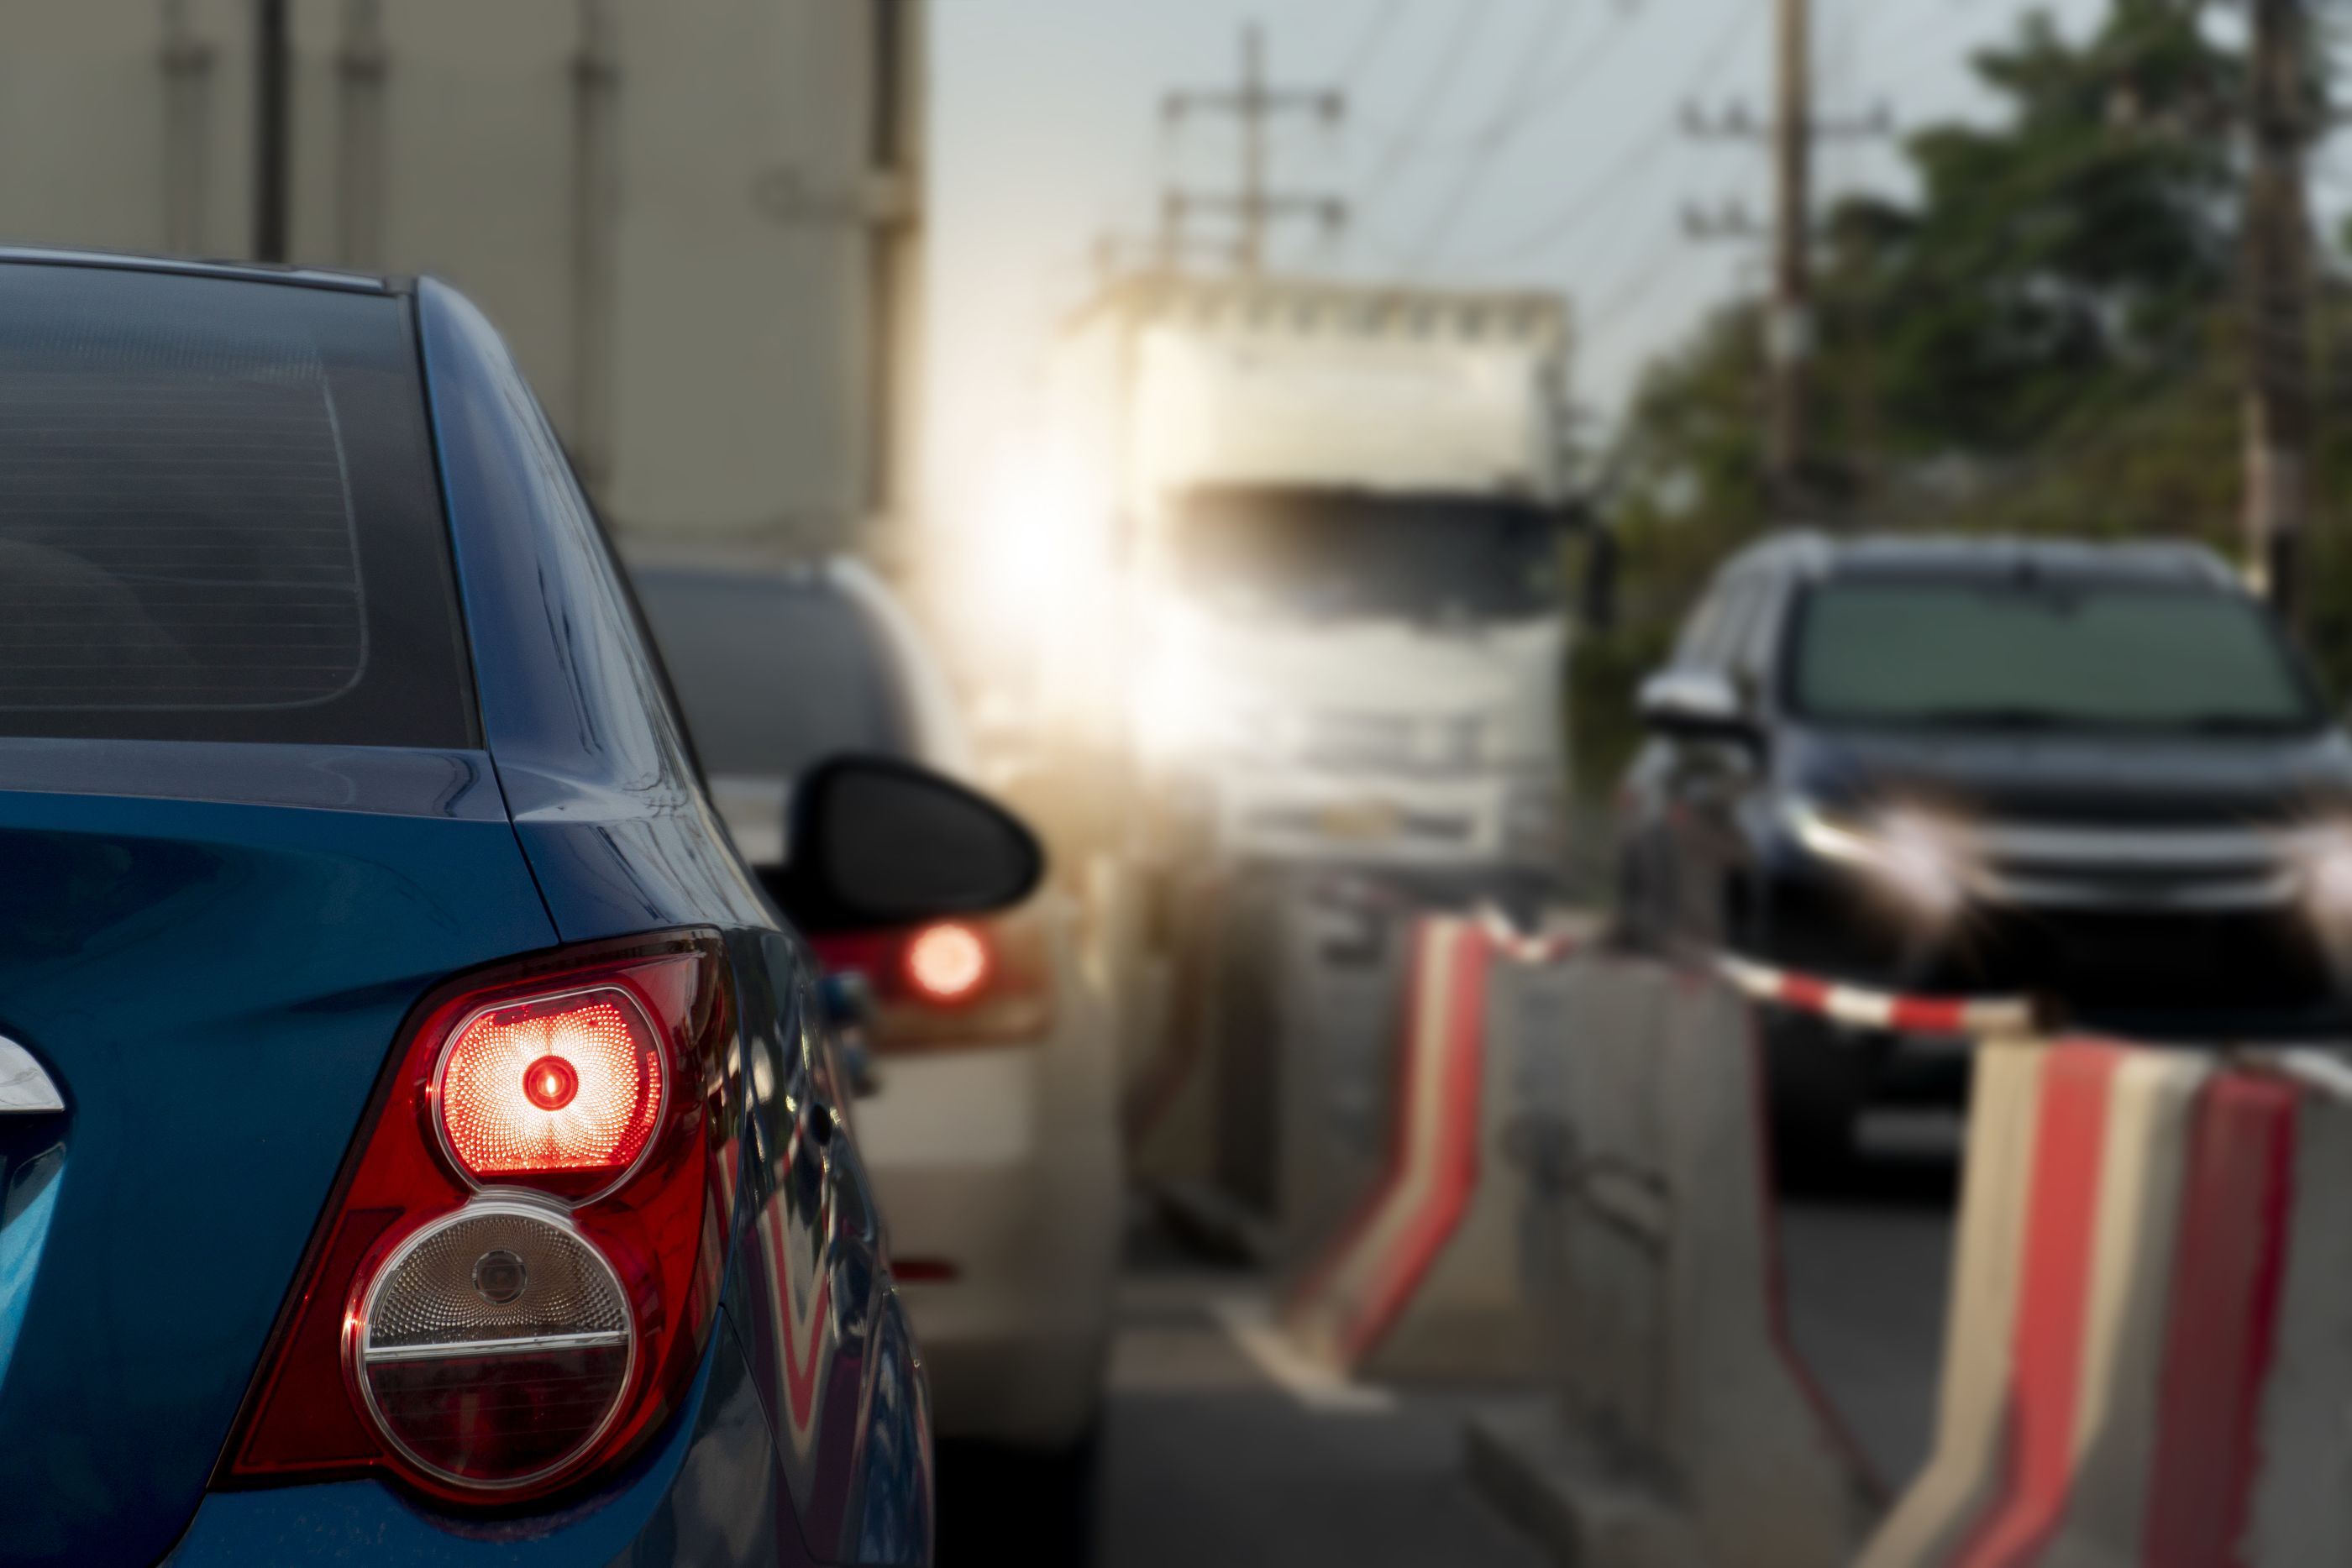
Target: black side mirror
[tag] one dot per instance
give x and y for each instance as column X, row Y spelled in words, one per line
column 872, row 843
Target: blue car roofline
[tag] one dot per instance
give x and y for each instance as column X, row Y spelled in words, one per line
column 190, row 267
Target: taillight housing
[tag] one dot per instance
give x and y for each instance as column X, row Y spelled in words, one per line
column 953, row 982
column 514, row 1280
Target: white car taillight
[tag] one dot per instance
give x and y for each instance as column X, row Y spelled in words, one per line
column 953, row 983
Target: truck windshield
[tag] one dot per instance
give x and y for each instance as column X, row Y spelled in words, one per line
column 2044, row 655
column 1348, row 554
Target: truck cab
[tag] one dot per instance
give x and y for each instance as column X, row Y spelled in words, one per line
column 1340, row 507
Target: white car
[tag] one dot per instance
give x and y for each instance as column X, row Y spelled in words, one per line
column 990, row 1128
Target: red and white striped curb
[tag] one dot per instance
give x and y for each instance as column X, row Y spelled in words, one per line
column 1970, row 1016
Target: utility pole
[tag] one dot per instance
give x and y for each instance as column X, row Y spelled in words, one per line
column 1792, row 128
column 1789, row 344
column 1254, row 206
column 2278, row 384
column 272, row 129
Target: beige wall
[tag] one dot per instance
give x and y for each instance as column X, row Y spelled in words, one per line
column 670, row 208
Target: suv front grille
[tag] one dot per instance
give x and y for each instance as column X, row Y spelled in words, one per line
column 2152, row 870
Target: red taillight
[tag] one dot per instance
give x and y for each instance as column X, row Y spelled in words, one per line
column 947, row 963
column 558, row 1092
column 962, row 982
column 517, row 1276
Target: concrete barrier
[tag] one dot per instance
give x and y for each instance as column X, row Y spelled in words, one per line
column 1687, row 1431
column 1262, row 1116
column 1166, row 1106
column 1423, row 1277
column 2148, row 1355
column 2150, row 1347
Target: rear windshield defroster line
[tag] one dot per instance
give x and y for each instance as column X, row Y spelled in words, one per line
column 219, row 519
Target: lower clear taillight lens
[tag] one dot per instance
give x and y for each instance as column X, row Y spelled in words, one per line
column 493, row 1347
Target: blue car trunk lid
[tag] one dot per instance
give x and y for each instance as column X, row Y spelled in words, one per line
column 215, row 984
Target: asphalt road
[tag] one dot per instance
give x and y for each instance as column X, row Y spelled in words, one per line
column 1868, row 1267
column 1208, row 1458
column 1217, row 1452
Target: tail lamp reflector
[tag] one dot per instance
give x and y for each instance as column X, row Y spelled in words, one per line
column 493, row 1346
column 560, row 1091
column 947, row 963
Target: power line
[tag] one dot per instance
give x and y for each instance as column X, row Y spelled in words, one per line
column 1588, row 203
column 1506, row 122
column 1520, row 109
column 1594, row 199
column 1925, row 43
column 1369, row 43
column 1615, row 308
column 1407, row 145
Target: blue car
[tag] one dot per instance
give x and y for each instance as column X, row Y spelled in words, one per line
column 420, row 1137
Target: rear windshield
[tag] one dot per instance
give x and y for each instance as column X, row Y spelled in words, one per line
column 220, row 519
column 775, row 676
column 2043, row 656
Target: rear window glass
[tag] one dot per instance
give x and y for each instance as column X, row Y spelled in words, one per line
column 774, row 676
column 221, row 520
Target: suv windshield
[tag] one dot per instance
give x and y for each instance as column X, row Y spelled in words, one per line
column 1337, row 554
column 2044, row 655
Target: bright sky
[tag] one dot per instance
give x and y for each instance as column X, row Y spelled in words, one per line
column 1530, row 142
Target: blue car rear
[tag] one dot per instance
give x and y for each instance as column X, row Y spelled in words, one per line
column 335, row 780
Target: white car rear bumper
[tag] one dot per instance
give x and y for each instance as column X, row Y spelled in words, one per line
column 998, row 1173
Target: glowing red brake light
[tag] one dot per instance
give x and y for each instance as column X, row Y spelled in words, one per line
column 559, row 1092
column 953, row 984
column 947, row 963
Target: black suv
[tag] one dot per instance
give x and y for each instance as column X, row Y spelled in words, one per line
column 2100, row 775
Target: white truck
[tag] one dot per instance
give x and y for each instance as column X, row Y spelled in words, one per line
column 1336, row 511
column 1304, row 647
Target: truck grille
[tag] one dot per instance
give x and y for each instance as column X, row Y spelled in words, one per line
column 1389, row 742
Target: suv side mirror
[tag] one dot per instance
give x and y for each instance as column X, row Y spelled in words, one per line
column 872, row 843
column 1695, row 704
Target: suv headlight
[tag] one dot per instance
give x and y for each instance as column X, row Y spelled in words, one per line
column 2324, row 853
column 1923, row 863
